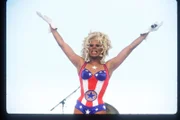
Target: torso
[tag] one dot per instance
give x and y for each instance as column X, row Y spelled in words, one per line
column 93, row 84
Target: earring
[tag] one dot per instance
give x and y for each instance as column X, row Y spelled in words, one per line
column 101, row 55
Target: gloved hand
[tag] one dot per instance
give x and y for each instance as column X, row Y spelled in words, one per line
column 153, row 27
column 47, row 19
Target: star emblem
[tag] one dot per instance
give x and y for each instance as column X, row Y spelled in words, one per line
column 96, row 109
column 90, row 74
column 104, row 106
column 87, row 111
column 90, row 95
column 94, row 67
column 96, row 75
column 80, row 106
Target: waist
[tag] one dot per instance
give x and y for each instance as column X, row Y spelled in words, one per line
column 91, row 98
column 80, row 104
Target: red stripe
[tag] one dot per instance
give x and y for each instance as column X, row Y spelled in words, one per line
column 103, row 89
column 82, row 91
column 83, row 66
column 89, row 104
column 92, row 83
column 81, row 84
column 101, row 93
column 91, row 86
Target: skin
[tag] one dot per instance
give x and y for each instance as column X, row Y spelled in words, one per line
column 111, row 64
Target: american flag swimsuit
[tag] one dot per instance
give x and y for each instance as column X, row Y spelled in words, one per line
column 93, row 87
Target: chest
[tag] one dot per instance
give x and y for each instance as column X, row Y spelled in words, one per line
column 100, row 75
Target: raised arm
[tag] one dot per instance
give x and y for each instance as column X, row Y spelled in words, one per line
column 116, row 61
column 73, row 57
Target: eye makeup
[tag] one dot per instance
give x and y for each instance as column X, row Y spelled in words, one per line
column 96, row 45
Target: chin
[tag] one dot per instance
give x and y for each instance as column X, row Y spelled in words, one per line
column 94, row 56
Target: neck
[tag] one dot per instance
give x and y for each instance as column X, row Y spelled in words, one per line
column 95, row 59
column 95, row 62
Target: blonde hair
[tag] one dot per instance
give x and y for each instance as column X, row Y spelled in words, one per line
column 104, row 41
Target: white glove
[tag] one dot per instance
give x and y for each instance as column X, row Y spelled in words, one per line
column 153, row 27
column 47, row 19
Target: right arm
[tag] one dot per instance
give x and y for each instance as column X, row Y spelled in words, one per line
column 73, row 57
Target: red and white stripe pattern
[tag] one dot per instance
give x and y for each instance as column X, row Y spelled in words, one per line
column 95, row 85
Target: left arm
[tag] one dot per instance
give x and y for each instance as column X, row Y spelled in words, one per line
column 116, row 61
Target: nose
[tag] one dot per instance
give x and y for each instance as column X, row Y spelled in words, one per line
column 94, row 46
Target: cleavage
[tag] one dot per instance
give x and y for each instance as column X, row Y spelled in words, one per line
column 99, row 75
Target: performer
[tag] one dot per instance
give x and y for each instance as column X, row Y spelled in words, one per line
column 94, row 72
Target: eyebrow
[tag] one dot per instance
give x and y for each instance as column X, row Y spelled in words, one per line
column 97, row 45
column 94, row 44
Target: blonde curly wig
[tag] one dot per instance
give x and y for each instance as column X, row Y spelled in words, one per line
column 104, row 41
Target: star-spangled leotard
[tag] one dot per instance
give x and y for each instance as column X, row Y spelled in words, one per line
column 93, row 87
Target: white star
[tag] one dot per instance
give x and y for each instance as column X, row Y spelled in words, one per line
column 96, row 75
column 87, row 111
column 94, row 67
column 90, row 74
column 96, row 109
column 104, row 106
column 80, row 106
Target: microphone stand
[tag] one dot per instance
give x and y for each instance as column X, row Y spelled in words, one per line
column 63, row 101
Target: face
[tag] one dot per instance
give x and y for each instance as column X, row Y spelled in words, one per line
column 95, row 48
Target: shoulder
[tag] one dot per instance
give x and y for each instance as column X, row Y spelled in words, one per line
column 108, row 64
column 81, row 63
column 109, row 67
